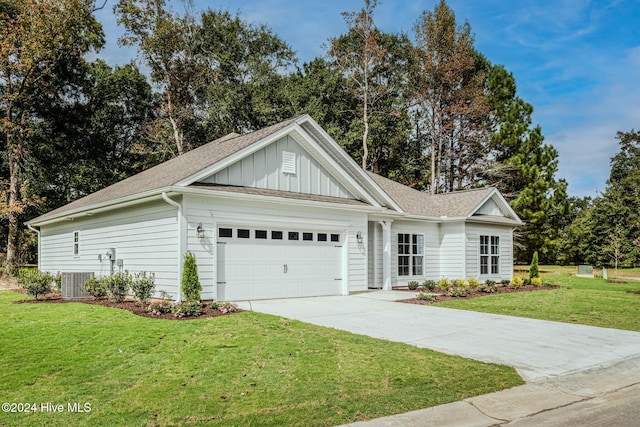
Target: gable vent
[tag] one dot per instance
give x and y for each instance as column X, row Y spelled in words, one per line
column 288, row 162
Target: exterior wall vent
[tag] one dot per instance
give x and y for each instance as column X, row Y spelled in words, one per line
column 72, row 286
column 288, row 162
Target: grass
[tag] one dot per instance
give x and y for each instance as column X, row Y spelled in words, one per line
column 244, row 369
column 578, row 300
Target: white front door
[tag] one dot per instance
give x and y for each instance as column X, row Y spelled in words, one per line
column 263, row 263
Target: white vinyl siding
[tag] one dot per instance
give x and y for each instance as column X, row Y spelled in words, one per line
column 144, row 237
column 452, row 250
column 502, row 243
column 283, row 165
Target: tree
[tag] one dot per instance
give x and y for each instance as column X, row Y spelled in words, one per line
column 42, row 45
column 607, row 233
column 172, row 48
column 247, row 89
column 191, row 286
column 450, row 96
column 534, row 270
column 360, row 55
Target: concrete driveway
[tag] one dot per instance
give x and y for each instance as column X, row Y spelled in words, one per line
column 538, row 349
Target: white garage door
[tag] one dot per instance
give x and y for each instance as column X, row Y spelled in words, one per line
column 262, row 263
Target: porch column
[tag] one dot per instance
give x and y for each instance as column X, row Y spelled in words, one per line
column 386, row 254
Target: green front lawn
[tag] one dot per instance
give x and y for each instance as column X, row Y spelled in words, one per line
column 243, row 369
column 578, row 300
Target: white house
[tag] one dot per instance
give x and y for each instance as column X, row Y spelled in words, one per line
column 280, row 212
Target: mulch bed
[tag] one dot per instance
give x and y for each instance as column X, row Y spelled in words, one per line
column 501, row 290
column 132, row 306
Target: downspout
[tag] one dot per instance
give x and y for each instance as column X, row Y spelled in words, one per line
column 386, row 254
column 179, row 217
column 38, row 233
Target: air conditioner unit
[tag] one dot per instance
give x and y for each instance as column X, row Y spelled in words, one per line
column 73, row 285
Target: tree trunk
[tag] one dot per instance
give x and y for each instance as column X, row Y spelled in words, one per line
column 14, row 154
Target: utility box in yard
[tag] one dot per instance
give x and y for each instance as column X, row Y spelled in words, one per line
column 585, row 271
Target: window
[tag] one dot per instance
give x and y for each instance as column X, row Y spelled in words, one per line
column 294, row 235
column 76, row 243
column 410, row 254
column 225, row 232
column 489, row 254
column 261, row 234
column 307, row 236
column 335, row 237
column 276, row 235
column 243, row 233
column 322, row 237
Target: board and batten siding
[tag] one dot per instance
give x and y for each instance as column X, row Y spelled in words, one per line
column 145, row 239
column 474, row 231
column 213, row 211
column 263, row 169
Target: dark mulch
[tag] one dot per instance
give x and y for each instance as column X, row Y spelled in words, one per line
column 634, row 292
column 132, row 306
column 501, row 290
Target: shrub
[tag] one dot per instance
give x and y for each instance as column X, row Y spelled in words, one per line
column 142, row 286
column 423, row 296
column 444, row 284
column 517, row 282
column 459, row 291
column 191, row 286
column 534, row 271
column 413, row 285
column 490, row 282
column 429, row 285
column 58, row 282
column 536, row 281
column 460, row 283
column 35, row 282
column 506, row 282
column 118, row 285
column 187, row 309
column 473, row 283
column 96, row 287
column 488, row 288
column 527, row 281
column 227, row 307
column 159, row 307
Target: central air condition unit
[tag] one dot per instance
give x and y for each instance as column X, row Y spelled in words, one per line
column 72, row 286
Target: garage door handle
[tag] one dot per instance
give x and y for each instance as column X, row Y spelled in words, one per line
column 285, row 268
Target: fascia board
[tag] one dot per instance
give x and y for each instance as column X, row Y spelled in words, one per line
column 102, row 207
column 283, row 200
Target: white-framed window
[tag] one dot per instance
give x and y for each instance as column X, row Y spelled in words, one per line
column 489, row 254
column 76, row 243
column 410, row 254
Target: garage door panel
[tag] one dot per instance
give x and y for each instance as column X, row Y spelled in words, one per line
column 263, row 269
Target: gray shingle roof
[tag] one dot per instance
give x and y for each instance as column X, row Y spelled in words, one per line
column 459, row 204
column 170, row 172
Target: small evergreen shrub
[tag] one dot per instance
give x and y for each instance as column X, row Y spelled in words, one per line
column 227, row 307
column 142, row 286
column 413, row 285
column 187, row 309
column 118, row 285
column 490, row 282
column 536, row 281
column 473, row 283
column 534, row 270
column 443, row 284
column 429, row 285
column 506, row 282
column 96, row 287
column 517, row 282
column 160, row 307
column 423, row 296
column 35, row 282
column 191, row 286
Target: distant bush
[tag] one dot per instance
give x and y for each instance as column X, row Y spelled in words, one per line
column 142, row 286
column 413, row 285
column 473, row 283
column 35, row 282
column 517, row 282
column 536, row 281
column 96, row 287
column 429, row 285
column 118, row 285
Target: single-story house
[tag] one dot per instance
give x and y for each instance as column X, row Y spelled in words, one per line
column 280, row 212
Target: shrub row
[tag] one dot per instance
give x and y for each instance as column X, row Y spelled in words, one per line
column 118, row 285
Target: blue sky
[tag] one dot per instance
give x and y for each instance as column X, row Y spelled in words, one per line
column 576, row 61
